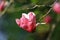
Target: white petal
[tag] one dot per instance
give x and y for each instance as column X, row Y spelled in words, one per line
column 26, row 15
column 32, row 13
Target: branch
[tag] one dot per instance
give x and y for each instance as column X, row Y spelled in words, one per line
column 46, row 13
column 39, row 6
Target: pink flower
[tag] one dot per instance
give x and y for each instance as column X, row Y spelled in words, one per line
column 56, row 7
column 27, row 21
column 47, row 19
column 3, row 4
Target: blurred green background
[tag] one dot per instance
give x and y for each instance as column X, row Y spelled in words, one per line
column 9, row 30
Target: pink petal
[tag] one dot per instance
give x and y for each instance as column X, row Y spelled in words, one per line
column 23, row 22
column 17, row 21
column 31, row 13
column 32, row 16
column 2, row 6
column 31, row 26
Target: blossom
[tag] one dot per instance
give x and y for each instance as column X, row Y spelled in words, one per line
column 47, row 19
column 27, row 21
column 3, row 4
column 56, row 7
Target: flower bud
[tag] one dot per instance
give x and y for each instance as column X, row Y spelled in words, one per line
column 56, row 7
column 27, row 21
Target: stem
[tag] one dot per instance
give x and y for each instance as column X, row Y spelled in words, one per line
column 52, row 29
column 39, row 24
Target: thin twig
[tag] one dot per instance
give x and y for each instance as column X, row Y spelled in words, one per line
column 40, row 24
column 46, row 13
column 38, row 6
